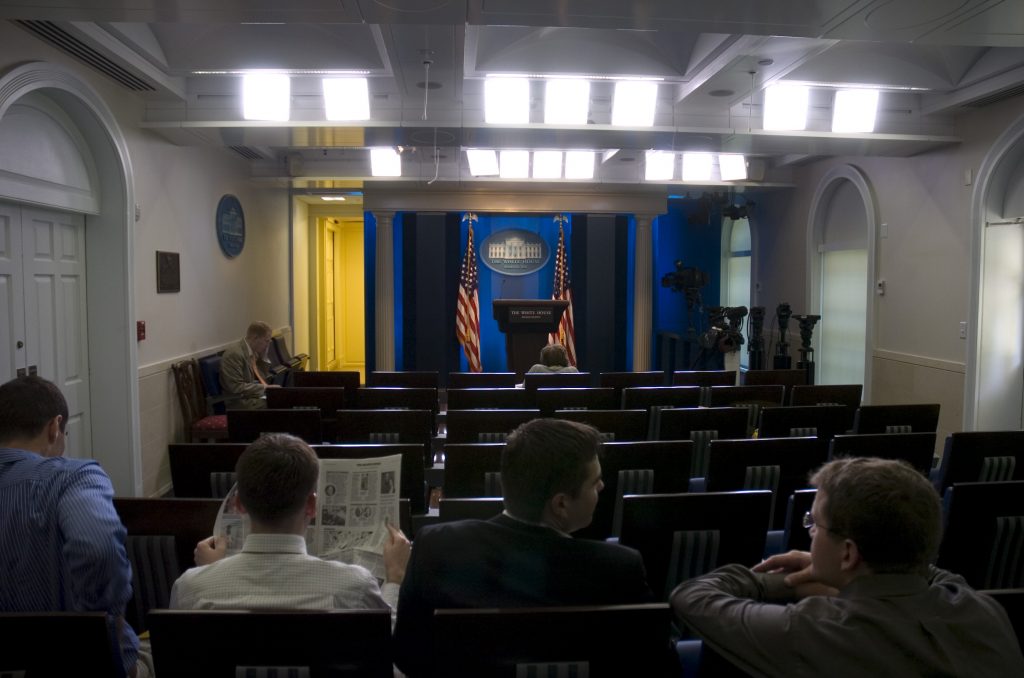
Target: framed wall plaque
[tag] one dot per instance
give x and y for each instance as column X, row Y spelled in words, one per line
column 168, row 272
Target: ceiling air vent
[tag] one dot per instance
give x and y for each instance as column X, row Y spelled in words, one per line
column 996, row 97
column 247, row 152
column 61, row 39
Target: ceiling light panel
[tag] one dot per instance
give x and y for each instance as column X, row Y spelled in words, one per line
column 346, row 99
column 785, row 107
column 634, row 102
column 482, row 162
column 507, row 101
column 514, row 165
column 566, row 101
column 266, row 96
column 854, row 110
column 547, row 164
column 696, row 166
column 732, row 166
column 385, row 162
column 659, row 165
column 579, row 164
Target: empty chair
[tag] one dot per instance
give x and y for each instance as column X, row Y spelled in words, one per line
column 85, row 641
column 488, row 398
column 162, row 535
column 411, row 427
column 485, row 426
column 312, row 642
column 472, row 470
column 607, row 641
column 412, row 483
column 465, row 508
column 923, row 418
column 917, row 449
column 984, row 535
column 482, row 380
column 422, row 379
column 193, row 466
column 787, row 378
column 646, row 467
column 982, row 456
column 823, row 421
column 702, row 425
column 245, row 426
column 556, row 380
column 704, row 378
column 199, row 419
column 751, row 397
column 781, row 465
column 613, row 425
column 646, row 397
column 796, row 536
column 547, row 400
column 681, row 536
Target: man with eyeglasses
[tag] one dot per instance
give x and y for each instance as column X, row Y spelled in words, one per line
column 864, row 601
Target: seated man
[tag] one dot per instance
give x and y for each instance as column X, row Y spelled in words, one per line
column 525, row 557
column 277, row 477
column 245, row 369
column 61, row 541
column 553, row 358
column 864, row 601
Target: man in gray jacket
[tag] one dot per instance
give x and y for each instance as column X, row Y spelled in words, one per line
column 864, row 601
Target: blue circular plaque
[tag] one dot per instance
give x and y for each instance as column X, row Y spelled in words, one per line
column 230, row 226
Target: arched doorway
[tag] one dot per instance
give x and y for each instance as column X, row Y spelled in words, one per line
column 109, row 306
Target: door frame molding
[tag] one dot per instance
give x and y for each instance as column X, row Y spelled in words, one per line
column 113, row 353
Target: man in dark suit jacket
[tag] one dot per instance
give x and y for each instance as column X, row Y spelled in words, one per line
column 525, row 557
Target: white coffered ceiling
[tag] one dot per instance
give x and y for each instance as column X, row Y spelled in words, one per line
column 427, row 59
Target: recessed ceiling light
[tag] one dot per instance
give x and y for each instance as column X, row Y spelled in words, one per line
column 266, row 96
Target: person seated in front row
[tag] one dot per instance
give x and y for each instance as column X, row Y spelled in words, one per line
column 525, row 557
column 864, row 601
column 553, row 359
column 277, row 477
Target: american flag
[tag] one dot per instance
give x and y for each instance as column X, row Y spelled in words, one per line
column 467, row 313
column 562, row 289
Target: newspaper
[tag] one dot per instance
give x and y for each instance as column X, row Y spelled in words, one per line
column 356, row 500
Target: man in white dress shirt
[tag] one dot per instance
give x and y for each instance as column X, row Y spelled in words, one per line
column 277, row 478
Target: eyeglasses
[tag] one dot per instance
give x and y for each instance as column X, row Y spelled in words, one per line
column 808, row 522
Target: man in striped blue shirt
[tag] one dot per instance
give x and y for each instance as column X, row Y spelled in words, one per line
column 61, row 541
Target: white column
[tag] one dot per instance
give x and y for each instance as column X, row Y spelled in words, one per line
column 642, row 294
column 384, row 299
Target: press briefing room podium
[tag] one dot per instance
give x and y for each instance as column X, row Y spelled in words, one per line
column 526, row 324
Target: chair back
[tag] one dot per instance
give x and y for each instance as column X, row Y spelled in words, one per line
column 413, row 484
column 317, row 642
column 482, row 380
column 823, row 421
column 485, row 426
column 422, row 379
column 681, row 536
column 917, row 449
column 466, row 467
column 984, row 534
column 488, row 399
column 245, row 426
column 704, row 378
column 83, row 640
column 466, row 508
column 162, row 535
column 781, row 465
column 547, row 400
column 982, row 456
column 613, row 425
column 668, row 462
column 918, row 418
column 533, row 380
column 605, row 641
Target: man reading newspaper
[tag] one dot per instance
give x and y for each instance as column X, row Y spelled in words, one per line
column 277, row 481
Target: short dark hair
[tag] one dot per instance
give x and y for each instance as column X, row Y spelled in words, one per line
column 27, row 405
column 554, row 355
column 889, row 509
column 275, row 475
column 542, row 458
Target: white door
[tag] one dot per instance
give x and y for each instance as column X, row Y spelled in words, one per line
column 42, row 280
